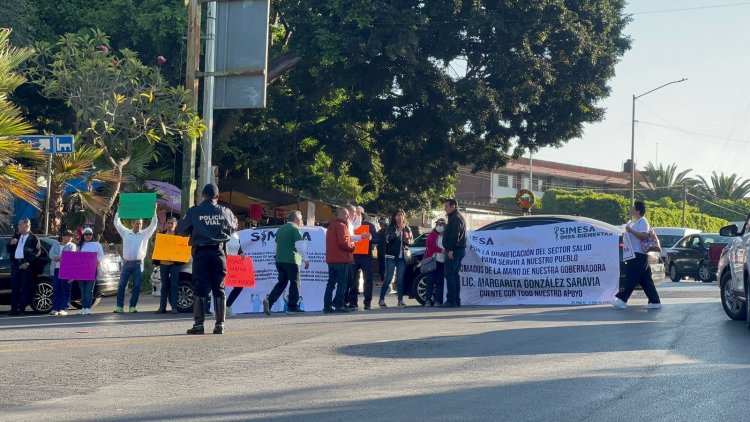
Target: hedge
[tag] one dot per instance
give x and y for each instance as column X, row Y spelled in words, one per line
column 615, row 209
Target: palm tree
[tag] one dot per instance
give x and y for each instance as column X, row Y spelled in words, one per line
column 15, row 181
column 726, row 187
column 663, row 181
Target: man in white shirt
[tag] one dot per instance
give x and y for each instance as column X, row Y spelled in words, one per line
column 24, row 248
column 134, row 249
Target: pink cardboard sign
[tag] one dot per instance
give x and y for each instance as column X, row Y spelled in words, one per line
column 77, row 266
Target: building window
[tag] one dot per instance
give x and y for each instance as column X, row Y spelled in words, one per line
column 504, row 180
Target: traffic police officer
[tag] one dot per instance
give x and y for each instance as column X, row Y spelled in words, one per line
column 209, row 225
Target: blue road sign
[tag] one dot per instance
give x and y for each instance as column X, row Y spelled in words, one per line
column 63, row 144
column 44, row 143
column 51, row 144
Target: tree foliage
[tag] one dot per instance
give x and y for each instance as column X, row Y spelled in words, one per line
column 723, row 186
column 665, row 181
column 15, row 181
column 120, row 105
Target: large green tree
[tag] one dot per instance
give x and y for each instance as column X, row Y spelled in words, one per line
column 380, row 100
column 400, row 93
column 723, row 186
column 666, row 181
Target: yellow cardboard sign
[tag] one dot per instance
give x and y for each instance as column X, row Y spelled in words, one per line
column 173, row 248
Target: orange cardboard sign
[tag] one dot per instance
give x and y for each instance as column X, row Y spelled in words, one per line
column 363, row 246
column 173, row 248
column 240, row 272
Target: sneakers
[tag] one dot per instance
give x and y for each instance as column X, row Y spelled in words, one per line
column 85, row 311
column 401, row 304
column 294, row 311
column 653, row 306
column 54, row 313
column 161, row 311
column 229, row 311
column 62, row 313
column 619, row 304
column 132, row 310
column 266, row 306
column 118, row 310
column 382, row 304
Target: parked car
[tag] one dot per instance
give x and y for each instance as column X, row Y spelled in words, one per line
column 733, row 273
column 415, row 283
column 669, row 236
column 691, row 257
column 40, row 293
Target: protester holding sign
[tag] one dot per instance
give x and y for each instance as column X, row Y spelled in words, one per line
column 169, row 272
column 339, row 248
column 435, row 279
column 134, row 249
column 454, row 243
column 88, row 244
column 290, row 253
column 60, row 287
column 209, row 226
column 362, row 263
column 637, row 270
column 398, row 238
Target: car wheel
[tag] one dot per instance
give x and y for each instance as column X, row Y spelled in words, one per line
column 704, row 273
column 733, row 306
column 185, row 297
column 41, row 296
column 673, row 274
column 419, row 288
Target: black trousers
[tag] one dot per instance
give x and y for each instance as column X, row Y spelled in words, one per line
column 288, row 275
column 362, row 263
column 209, row 271
column 637, row 271
column 19, row 287
column 233, row 296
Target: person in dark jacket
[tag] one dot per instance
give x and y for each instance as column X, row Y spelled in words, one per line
column 24, row 249
column 209, row 226
column 398, row 238
column 380, row 245
column 454, row 245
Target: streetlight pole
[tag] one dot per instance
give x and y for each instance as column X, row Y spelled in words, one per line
column 632, row 138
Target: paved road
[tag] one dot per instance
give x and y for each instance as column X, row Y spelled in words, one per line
column 685, row 362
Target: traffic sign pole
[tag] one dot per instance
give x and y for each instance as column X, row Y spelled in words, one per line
column 47, row 196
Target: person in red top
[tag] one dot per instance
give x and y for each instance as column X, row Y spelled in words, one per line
column 435, row 279
column 339, row 256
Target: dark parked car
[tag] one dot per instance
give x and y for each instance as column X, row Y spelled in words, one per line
column 415, row 283
column 691, row 257
column 40, row 292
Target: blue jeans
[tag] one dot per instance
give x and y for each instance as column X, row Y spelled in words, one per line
column 452, row 279
column 129, row 269
column 435, row 282
column 87, row 293
column 338, row 278
column 399, row 266
column 170, row 277
column 60, row 293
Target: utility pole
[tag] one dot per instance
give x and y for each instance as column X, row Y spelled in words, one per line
column 684, row 204
column 531, row 170
column 191, row 83
column 206, row 174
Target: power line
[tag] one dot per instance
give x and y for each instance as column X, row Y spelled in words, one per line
column 717, row 205
column 686, row 9
column 706, row 135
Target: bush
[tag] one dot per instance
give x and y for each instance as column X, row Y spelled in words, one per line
column 615, row 209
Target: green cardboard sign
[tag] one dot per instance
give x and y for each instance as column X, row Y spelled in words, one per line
column 137, row 205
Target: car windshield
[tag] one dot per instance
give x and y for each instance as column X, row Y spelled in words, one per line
column 708, row 240
column 668, row 241
column 420, row 242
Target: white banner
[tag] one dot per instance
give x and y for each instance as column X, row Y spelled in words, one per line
column 260, row 245
column 560, row 264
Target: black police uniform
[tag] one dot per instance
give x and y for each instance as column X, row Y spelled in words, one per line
column 209, row 225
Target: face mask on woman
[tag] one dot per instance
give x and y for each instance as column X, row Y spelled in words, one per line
column 440, row 229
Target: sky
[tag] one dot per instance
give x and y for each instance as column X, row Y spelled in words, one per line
column 701, row 124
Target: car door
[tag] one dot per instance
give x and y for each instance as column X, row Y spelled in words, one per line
column 4, row 271
column 678, row 254
column 694, row 255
